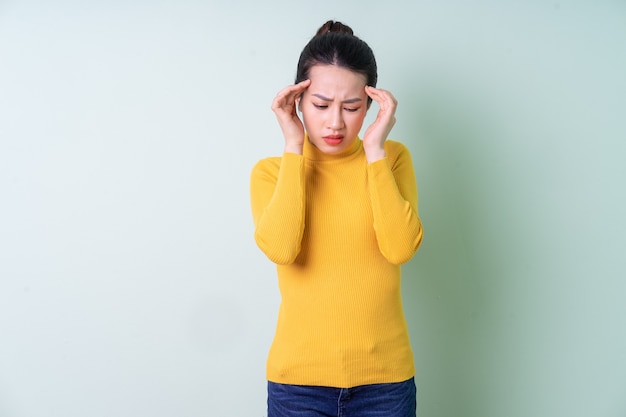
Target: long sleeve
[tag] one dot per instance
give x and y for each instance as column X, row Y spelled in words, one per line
column 393, row 194
column 277, row 195
column 338, row 229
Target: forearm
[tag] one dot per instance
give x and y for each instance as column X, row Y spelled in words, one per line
column 279, row 211
column 396, row 221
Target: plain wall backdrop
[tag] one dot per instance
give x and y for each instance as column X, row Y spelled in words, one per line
column 130, row 284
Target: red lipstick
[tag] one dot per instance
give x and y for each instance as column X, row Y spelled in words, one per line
column 333, row 140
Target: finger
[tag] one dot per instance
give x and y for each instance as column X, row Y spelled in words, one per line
column 303, row 84
column 295, row 90
column 288, row 95
column 383, row 97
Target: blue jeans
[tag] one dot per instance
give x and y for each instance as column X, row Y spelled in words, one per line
column 377, row 400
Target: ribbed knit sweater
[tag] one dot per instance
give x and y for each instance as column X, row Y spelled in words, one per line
column 338, row 229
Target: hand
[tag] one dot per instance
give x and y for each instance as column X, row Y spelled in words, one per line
column 285, row 106
column 376, row 134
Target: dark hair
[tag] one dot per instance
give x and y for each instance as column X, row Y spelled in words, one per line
column 335, row 44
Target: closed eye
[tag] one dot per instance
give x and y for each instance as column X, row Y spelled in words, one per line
column 325, row 106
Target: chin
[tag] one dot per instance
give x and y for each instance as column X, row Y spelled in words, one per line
column 331, row 150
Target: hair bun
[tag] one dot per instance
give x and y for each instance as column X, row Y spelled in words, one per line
column 334, row 27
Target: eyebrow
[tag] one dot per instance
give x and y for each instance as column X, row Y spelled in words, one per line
column 348, row 101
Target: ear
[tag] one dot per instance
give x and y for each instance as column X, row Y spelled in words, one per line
column 298, row 99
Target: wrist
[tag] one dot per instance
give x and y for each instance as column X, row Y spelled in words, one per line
column 374, row 154
column 293, row 148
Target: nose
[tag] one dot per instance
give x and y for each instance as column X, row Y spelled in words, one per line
column 336, row 119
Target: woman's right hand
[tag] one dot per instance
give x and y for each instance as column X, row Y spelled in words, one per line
column 285, row 108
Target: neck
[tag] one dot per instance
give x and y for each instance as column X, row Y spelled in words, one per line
column 311, row 152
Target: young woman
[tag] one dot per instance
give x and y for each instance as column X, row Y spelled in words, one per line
column 338, row 215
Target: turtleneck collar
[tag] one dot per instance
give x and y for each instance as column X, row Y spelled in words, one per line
column 312, row 153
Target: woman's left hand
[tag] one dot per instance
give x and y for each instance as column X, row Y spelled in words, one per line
column 376, row 134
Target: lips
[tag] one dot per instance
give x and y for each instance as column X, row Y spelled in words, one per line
column 333, row 139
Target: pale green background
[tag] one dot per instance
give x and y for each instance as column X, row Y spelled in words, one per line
column 129, row 281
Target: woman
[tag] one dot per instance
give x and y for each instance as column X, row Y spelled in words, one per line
column 338, row 215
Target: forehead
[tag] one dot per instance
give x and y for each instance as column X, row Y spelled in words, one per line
column 332, row 80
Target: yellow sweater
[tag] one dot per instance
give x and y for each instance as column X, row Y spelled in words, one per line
column 338, row 229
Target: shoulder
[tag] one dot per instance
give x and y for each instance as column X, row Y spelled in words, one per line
column 394, row 147
column 266, row 167
column 269, row 164
column 396, row 150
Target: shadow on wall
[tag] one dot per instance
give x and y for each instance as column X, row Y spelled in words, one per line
column 446, row 287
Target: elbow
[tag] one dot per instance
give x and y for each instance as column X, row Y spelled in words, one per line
column 282, row 259
column 404, row 253
column 399, row 258
column 279, row 255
